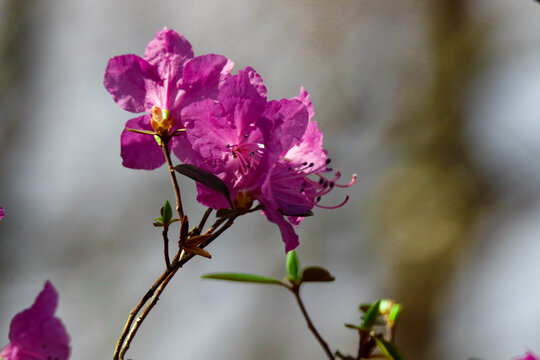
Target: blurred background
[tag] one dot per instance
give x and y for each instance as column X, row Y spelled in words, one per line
column 434, row 104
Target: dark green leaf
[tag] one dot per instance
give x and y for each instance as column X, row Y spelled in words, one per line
column 304, row 214
column 371, row 315
column 293, row 266
column 249, row 278
column 316, row 273
column 166, row 212
column 205, row 178
column 389, row 349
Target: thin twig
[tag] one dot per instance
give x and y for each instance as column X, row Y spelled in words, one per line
column 296, row 291
column 166, row 245
column 203, row 221
column 145, row 313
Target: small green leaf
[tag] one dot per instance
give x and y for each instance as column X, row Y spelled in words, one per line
column 293, row 266
column 395, row 313
column 316, row 273
column 205, row 178
column 158, row 221
column 371, row 315
column 248, row 278
column 166, row 212
column 389, row 349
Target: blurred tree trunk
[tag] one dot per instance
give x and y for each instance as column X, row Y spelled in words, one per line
column 430, row 199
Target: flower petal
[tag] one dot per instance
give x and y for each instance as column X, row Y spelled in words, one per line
column 2, row 212
column 290, row 118
column 288, row 235
column 167, row 43
column 132, row 82
column 37, row 330
column 203, row 76
column 309, row 149
column 140, row 151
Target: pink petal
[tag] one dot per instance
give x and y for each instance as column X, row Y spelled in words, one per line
column 305, row 98
column 211, row 198
column 140, row 151
column 36, row 330
column 288, row 235
column 207, row 129
column 246, row 85
column 2, row 212
column 203, row 76
column 168, row 52
column 132, row 82
column 290, row 119
column 309, row 149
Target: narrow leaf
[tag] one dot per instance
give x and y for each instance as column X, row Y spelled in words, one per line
column 197, row 251
column 371, row 315
column 248, row 278
column 205, row 178
column 354, row 327
column 316, row 273
column 389, row 349
column 144, row 132
column 293, row 266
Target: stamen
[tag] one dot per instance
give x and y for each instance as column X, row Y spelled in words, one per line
column 334, row 207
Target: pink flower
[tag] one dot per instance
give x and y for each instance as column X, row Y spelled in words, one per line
column 2, row 212
column 528, row 356
column 160, row 85
column 262, row 150
column 35, row 333
column 225, row 136
column 288, row 192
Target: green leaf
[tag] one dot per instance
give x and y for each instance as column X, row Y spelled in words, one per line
column 158, row 221
column 166, row 212
column 371, row 315
column 225, row 213
column 389, row 349
column 394, row 315
column 205, row 178
column 293, row 266
column 316, row 273
column 248, row 278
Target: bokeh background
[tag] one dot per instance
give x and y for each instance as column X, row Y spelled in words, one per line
column 434, row 104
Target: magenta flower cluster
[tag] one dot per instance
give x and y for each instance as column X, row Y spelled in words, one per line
column 35, row 333
column 265, row 150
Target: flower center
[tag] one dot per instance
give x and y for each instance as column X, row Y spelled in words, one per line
column 161, row 121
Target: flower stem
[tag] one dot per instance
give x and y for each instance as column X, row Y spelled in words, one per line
column 296, row 291
column 179, row 209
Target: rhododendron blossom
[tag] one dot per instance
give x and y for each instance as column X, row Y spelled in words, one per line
column 35, row 333
column 262, row 150
column 160, row 85
column 2, row 212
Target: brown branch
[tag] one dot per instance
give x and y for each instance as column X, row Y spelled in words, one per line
column 296, row 291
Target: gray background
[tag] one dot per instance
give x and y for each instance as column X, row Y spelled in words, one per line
column 434, row 105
